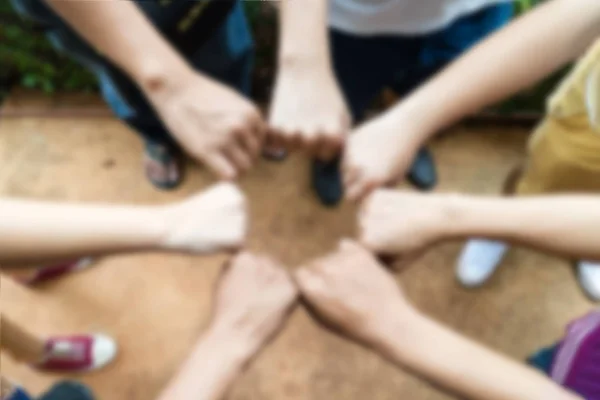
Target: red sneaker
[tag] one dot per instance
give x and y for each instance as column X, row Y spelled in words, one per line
column 81, row 353
column 44, row 274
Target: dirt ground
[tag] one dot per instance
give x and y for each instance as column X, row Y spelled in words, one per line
column 156, row 305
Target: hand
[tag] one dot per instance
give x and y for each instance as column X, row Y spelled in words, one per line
column 403, row 223
column 308, row 110
column 212, row 123
column 351, row 290
column 254, row 297
column 378, row 153
column 213, row 220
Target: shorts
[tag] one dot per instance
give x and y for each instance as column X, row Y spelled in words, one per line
column 564, row 150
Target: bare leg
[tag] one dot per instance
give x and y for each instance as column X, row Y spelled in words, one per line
column 22, row 345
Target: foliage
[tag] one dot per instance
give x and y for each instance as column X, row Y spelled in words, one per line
column 28, row 59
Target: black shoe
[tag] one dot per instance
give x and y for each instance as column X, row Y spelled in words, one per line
column 422, row 173
column 327, row 181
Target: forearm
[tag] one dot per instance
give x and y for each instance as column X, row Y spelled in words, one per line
column 33, row 232
column 515, row 58
column 122, row 33
column 568, row 225
column 460, row 365
column 209, row 372
column 303, row 33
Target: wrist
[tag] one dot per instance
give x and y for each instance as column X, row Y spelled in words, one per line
column 152, row 228
column 233, row 348
column 399, row 332
column 313, row 62
column 156, row 77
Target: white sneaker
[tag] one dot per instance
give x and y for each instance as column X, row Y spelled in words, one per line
column 589, row 278
column 479, row 260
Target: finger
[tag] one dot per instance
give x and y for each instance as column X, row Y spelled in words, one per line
column 355, row 191
column 351, row 176
column 250, row 142
column 308, row 281
column 259, row 128
column 221, row 166
column 274, row 146
column 330, row 146
column 349, row 245
column 328, row 150
column 237, row 155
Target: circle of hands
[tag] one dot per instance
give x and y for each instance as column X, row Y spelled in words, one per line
column 348, row 290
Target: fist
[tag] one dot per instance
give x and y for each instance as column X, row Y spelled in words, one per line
column 211, row 221
column 350, row 290
column 398, row 223
column 253, row 299
column 213, row 123
column 308, row 111
column 378, row 153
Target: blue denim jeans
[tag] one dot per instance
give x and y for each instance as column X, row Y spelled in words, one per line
column 366, row 64
column 227, row 56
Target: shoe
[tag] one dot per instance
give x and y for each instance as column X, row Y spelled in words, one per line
column 327, row 181
column 68, row 390
column 478, row 261
column 589, row 278
column 82, row 353
column 423, row 173
column 161, row 166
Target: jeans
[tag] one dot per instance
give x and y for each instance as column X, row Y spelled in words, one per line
column 226, row 56
column 365, row 65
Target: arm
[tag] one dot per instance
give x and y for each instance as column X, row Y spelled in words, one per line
column 395, row 222
column 212, row 122
column 252, row 303
column 131, row 42
column 308, row 108
column 516, row 57
column 32, row 231
column 459, row 364
column 352, row 291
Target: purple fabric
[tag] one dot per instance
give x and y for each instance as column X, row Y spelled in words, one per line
column 577, row 361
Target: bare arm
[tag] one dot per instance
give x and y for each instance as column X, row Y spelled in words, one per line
column 352, row 291
column 122, row 33
column 397, row 222
column 33, row 231
column 36, row 231
column 252, row 303
column 381, row 150
column 212, row 122
column 461, row 365
column 308, row 109
column 515, row 58
column 568, row 225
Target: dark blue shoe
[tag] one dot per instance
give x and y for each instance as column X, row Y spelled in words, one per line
column 422, row 173
column 327, row 181
column 68, row 391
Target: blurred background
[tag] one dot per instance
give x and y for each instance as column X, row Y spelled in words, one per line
column 29, row 62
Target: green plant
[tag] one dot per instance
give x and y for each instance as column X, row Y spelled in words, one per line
column 28, row 59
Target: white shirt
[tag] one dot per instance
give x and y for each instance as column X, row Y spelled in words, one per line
column 407, row 17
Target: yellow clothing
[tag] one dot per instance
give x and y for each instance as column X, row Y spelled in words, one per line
column 564, row 150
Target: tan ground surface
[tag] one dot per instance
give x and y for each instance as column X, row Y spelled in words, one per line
column 156, row 305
